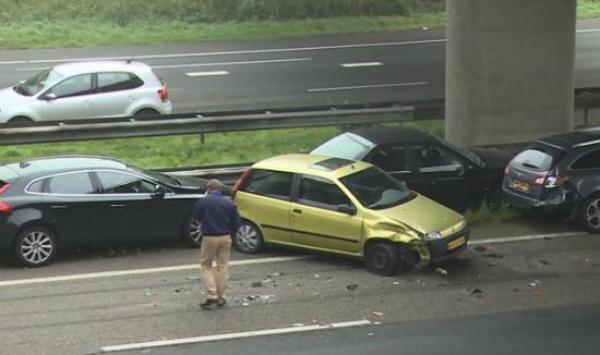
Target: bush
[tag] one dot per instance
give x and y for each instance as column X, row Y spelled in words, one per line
column 206, row 11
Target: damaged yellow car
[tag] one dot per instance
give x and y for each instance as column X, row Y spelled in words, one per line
column 345, row 207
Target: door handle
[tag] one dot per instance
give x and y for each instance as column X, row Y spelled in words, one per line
column 58, row 207
column 297, row 211
column 115, row 205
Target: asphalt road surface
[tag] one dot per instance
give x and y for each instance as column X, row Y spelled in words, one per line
column 394, row 66
column 521, row 287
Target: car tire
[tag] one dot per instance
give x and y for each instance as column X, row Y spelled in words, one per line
column 35, row 246
column 387, row 259
column 19, row 120
column 589, row 214
column 192, row 233
column 248, row 239
column 146, row 112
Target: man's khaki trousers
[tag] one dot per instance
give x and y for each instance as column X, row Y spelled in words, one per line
column 215, row 248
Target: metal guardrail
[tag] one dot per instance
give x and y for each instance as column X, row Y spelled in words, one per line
column 227, row 173
column 210, row 122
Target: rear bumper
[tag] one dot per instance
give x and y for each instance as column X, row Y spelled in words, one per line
column 520, row 201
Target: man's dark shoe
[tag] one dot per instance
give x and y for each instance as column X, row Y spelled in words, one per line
column 221, row 302
column 209, row 301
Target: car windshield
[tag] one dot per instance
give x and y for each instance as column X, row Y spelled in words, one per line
column 347, row 146
column 38, row 82
column 376, row 190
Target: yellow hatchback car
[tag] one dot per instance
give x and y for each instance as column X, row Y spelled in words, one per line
column 345, row 207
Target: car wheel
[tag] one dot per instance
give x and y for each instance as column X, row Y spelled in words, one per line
column 147, row 112
column 35, row 246
column 387, row 259
column 589, row 214
column 192, row 233
column 20, row 120
column 248, row 238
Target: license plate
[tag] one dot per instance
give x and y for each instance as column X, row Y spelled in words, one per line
column 456, row 243
column 520, row 185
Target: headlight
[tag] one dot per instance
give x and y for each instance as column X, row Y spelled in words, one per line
column 429, row 237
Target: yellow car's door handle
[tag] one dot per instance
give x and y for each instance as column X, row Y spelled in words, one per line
column 297, row 211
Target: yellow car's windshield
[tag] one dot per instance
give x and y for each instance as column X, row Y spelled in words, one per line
column 376, row 189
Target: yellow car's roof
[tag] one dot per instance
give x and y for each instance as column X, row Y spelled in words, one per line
column 317, row 165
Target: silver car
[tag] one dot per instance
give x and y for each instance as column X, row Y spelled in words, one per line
column 86, row 90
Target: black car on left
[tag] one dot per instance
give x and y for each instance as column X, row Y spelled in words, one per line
column 456, row 177
column 49, row 204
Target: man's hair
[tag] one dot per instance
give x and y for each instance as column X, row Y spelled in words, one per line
column 214, row 185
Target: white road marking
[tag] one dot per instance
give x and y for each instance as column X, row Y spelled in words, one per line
column 361, row 65
column 238, row 52
column 231, row 336
column 106, row 274
column 208, row 73
column 246, row 62
column 360, row 87
column 588, row 30
column 522, row 238
column 223, row 53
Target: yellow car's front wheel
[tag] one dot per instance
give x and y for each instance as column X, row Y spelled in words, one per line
column 387, row 259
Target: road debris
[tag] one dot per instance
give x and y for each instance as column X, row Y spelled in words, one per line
column 352, row 287
column 254, row 299
column 535, row 283
column 442, row 271
column 257, row 284
column 488, row 252
column 476, row 292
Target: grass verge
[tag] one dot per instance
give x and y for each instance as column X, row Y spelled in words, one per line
column 93, row 34
column 485, row 215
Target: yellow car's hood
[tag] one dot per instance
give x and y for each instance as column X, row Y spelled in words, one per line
column 425, row 215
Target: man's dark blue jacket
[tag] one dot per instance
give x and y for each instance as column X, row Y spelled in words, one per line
column 218, row 214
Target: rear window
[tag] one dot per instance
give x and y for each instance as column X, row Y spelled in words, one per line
column 7, row 175
column 346, row 146
column 538, row 158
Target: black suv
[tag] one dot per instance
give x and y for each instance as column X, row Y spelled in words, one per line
column 558, row 172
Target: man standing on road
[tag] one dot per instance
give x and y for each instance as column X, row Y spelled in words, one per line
column 220, row 220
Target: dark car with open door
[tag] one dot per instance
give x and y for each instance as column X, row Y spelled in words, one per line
column 456, row 177
column 49, row 204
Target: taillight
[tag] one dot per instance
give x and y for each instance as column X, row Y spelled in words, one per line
column 3, row 188
column 240, row 182
column 539, row 180
column 163, row 94
column 5, row 207
column 554, row 181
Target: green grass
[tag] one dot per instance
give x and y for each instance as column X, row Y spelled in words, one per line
column 486, row 215
column 588, row 9
column 184, row 151
column 77, row 33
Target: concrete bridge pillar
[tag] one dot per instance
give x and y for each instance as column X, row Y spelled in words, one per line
column 509, row 70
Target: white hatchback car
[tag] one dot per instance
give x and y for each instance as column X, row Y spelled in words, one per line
column 82, row 90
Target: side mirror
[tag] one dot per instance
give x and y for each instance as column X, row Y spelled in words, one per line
column 49, row 97
column 159, row 191
column 347, row 209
